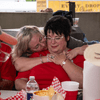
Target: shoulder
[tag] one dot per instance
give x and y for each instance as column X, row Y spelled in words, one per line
column 73, row 42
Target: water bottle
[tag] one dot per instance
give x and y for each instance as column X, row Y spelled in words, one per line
column 31, row 87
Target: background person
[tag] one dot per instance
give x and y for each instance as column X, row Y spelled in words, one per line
column 7, row 70
column 57, row 37
column 47, row 10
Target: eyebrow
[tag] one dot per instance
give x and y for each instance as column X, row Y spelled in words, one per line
column 55, row 36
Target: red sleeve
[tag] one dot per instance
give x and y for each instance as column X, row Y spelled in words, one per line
column 5, row 48
column 23, row 74
column 8, row 70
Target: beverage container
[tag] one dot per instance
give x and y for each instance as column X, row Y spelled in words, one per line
column 71, row 88
column 31, row 87
column 75, row 22
column 4, row 56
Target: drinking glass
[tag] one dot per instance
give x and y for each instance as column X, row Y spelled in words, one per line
column 75, row 22
column 4, row 56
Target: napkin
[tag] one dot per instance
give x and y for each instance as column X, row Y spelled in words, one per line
column 21, row 95
column 57, row 87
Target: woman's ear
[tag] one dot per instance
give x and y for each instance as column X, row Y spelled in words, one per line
column 68, row 38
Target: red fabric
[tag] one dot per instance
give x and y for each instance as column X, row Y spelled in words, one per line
column 44, row 73
column 5, row 47
column 7, row 69
column 24, row 74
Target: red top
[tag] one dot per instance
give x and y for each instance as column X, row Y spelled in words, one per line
column 44, row 73
column 7, row 69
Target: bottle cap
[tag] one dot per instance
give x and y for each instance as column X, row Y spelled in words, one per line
column 31, row 77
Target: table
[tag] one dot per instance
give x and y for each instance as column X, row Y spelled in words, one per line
column 7, row 93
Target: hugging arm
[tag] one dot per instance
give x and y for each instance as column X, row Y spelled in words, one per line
column 76, row 51
column 77, row 47
column 24, row 63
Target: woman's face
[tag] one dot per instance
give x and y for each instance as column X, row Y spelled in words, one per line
column 38, row 43
column 56, row 43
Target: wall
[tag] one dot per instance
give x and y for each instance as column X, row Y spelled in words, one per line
column 88, row 22
column 17, row 20
column 90, row 25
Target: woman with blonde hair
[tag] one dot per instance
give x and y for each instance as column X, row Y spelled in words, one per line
column 25, row 47
column 24, row 36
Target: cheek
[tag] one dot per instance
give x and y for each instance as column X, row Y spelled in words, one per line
column 63, row 44
column 40, row 48
column 31, row 43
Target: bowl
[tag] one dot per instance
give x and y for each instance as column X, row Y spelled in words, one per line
column 41, row 95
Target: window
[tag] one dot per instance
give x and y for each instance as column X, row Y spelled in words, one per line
column 17, row 5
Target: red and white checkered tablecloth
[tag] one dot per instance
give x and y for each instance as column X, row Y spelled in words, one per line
column 21, row 95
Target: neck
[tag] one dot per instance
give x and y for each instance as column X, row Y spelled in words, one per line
column 65, row 50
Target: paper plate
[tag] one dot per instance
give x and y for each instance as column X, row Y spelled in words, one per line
column 92, row 54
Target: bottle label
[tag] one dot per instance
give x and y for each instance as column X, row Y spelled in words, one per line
column 29, row 96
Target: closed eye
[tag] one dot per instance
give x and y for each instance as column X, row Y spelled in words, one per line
column 57, row 38
column 40, row 39
column 36, row 47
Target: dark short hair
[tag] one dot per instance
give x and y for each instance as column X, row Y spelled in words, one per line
column 67, row 14
column 59, row 25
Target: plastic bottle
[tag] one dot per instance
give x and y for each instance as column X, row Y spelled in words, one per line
column 31, row 87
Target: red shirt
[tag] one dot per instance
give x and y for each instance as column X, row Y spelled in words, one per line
column 44, row 73
column 7, row 69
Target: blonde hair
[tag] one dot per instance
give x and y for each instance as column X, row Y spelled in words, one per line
column 24, row 36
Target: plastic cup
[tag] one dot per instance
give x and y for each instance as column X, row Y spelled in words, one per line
column 71, row 88
column 4, row 56
column 75, row 22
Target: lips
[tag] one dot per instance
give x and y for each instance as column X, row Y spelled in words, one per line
column 54, row 46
